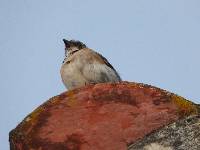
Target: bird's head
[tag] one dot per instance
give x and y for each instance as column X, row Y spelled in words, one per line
column 72, row 46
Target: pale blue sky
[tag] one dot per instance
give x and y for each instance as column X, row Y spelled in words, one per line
column 149, row 41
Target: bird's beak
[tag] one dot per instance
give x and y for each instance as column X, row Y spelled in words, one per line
column 67, row 43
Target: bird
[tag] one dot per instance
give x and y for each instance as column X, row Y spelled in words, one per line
column 84, row 66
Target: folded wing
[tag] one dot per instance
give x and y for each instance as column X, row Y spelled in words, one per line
column 99, row 70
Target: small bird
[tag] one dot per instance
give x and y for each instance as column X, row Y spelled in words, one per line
column 83, row 66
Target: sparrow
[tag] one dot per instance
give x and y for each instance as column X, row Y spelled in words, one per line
column 83, row 66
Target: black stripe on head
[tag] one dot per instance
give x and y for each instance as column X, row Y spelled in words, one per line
column 73, row 43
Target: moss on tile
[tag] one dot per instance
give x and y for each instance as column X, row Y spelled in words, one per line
column 185, row 107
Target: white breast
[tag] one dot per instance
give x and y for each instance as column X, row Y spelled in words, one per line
column 71, row 75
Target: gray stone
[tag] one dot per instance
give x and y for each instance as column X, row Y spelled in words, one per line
column 181, row 135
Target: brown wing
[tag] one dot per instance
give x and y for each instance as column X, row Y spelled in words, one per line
column 105, row 60
column 107, row 63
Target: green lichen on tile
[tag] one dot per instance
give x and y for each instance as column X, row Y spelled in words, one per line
column 34, row 115
column 185, row 107
column 71, row 99
column 32, row 118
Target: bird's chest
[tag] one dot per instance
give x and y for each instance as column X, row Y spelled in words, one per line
column 70, row 68
column 71, row 73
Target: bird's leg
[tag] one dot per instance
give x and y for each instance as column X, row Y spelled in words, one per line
column 92, row 83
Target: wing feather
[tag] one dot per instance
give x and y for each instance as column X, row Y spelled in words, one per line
column 108, row 64
column 104, row 71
